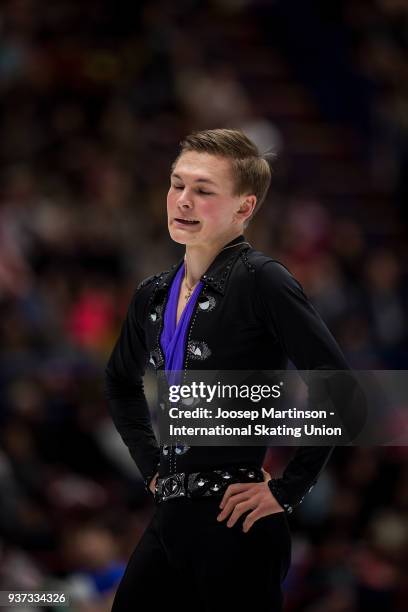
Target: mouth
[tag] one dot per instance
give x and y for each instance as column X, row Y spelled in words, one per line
column 186, row 221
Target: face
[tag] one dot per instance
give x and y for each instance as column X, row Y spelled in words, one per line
column 201, row 206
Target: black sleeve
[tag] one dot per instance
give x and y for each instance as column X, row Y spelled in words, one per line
column 307, row 342
column 125, row 392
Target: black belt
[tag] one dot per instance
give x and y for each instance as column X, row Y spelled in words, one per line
column 203, row 484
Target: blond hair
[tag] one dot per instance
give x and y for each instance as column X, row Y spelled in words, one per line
column 251, row 169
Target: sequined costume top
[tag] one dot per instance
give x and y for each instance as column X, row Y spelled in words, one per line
column 250, row 314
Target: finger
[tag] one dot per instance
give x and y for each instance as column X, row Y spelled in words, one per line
column 239, row 511
column 253, row 516
column 233, row 489
column 235, row 499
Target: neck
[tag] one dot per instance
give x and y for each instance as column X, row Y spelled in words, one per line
column 199, row 257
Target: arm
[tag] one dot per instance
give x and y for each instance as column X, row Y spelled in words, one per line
column 307, row 342
column 125, row 393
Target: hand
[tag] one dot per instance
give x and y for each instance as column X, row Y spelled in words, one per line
column 244, row 496
column 153, row 482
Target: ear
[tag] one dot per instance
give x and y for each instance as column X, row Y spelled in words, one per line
column 246, row 208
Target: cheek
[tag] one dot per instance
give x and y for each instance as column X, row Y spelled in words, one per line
column 170, row 201
column 215, row 211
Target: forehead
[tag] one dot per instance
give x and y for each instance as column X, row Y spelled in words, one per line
column 194, row 166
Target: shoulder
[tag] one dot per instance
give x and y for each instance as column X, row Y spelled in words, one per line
column 141, row 298
column 151, row 282
column 147, row 281
column 269, row 271
column 146, row 288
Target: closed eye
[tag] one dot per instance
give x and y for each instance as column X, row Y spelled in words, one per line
column 199, row 191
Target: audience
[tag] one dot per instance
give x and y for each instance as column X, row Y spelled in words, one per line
column 94, row 100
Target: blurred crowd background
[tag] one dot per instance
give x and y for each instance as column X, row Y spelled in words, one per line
column 94, row 99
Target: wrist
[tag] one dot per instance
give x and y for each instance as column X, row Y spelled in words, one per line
column 148, row 480
column 279, row 494
column 287, row 501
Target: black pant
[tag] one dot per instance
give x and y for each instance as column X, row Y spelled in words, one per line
column 187, row 560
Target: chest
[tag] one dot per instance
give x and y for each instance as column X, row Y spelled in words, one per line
column 222, row 332
column 180, row 305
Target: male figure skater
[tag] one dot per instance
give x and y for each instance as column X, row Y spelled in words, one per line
column 219, row 537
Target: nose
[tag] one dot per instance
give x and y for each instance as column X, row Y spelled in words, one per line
column 184, row 202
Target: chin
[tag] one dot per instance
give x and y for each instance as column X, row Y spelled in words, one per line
column 181, row 237
column 178, row 236
column 178, row 239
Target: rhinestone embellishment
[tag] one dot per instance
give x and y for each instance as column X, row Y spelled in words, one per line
column 206, row 303
column 181, row 449
column 199, row 350
column 155, row 358
column 205, row 484
column 171, row 486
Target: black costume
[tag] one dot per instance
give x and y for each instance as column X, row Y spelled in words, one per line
column 251, row 315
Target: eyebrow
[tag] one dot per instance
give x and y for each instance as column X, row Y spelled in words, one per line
column 198, row 180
